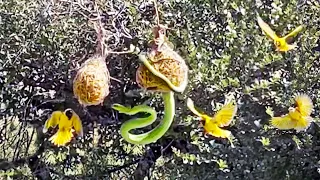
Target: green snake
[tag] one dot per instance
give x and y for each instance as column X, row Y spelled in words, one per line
column 169, row 112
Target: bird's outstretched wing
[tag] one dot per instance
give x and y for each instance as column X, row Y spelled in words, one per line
column 266, row 29
column 53, row 120
column 303, row 123
column 225, row 115
column 77, row 124
column 294, row 32
column 190, row 105
column 304, row 104
column 283, row 123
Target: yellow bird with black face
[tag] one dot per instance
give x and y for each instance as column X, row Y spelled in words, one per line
column 280, row 42
column 212, row 125
column 67, row 122
column 298, row 117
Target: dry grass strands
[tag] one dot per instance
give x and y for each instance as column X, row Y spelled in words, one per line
column 176, row 71
column 91, row 84
column 145, row 79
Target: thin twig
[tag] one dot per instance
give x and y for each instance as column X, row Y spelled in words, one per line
column 115, row 79
column 164, row 149
column 157, row 13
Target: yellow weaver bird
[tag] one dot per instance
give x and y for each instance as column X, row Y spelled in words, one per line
column 212, row 125
column 298, row 118
column 66, row 121
column 280, row 42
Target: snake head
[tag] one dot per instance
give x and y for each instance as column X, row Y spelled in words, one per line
column 120, row 108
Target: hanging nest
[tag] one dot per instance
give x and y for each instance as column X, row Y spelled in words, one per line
column 172, row 67
column 91, row 84
column 166, row 61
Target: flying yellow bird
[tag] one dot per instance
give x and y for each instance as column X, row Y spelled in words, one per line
column 212, row 125
column 280, row 42
column 298, row 118
column 65, row 121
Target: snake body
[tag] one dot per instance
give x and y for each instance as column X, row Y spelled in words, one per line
column 162, row 70
column 154, row 134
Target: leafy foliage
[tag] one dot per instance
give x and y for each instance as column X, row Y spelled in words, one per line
column 44, row 42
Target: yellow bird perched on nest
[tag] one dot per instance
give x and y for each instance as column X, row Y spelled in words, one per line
column 212, row 125
column 280, row 42
column 298, row 118
column 65, row 121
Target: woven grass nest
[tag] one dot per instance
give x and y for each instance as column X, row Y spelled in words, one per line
column 91, row 84
column 170, row 64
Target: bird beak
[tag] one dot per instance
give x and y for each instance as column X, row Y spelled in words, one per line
column 69, row 109
column 291, row 109
column 44, row 130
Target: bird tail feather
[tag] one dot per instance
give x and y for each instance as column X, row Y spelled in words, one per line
column 61, row 137
column 216, row 131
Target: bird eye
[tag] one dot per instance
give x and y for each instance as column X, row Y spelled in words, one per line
column 203, row 122
column 294, row 104
column 162, row 31
column 68, row 113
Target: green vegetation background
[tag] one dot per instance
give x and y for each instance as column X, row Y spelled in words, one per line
column 42, row 43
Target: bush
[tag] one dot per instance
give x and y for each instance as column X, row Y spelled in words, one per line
column 44, row 42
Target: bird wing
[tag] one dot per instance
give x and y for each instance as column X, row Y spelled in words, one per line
column 214, row 130
column 283, row 123
column 53, row 121
column 266, row 29
column 294, row 32
column 190, row 105
column 304, row 104
column 77, row 124
column 303, row 123
column 225, row 115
